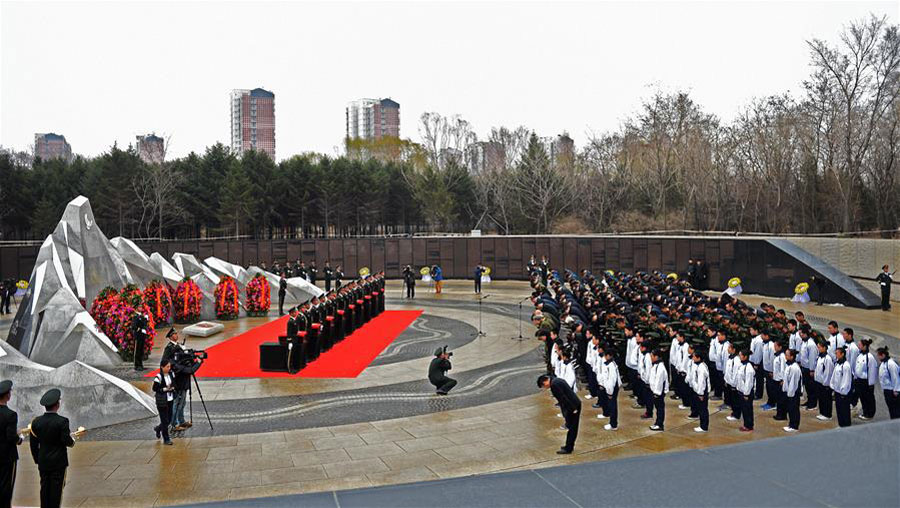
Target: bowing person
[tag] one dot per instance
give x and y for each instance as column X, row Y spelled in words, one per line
column 841, row 384
column 570, row 406
column 745, row 378
column 658, row 386
column 791, row 386
column 700, row 384
column 865, row 374
column 824, row 369
column 889, row 377
column 610, row 382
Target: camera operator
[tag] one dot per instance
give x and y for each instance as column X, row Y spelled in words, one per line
column 437, row 371
column 185, row 364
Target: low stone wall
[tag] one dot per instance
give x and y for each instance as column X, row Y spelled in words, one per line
column 857, row 257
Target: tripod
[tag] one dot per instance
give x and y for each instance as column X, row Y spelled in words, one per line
column 520, row 338
column 191, row 402
column 480, row 331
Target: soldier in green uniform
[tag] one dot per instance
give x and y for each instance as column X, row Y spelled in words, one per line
column 9, row 440
column 50, row 436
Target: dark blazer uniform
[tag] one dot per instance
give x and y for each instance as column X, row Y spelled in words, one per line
column 570, row 406
column 9, row 455
column 50, row 436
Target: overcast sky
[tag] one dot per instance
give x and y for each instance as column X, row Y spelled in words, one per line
column 99, row 72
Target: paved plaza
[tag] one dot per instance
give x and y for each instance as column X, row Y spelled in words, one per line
column 286, row 436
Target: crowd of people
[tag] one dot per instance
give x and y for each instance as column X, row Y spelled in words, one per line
column 656, row 336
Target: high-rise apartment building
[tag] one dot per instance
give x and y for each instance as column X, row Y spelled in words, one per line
column 485, row 156
column 52, row 146
column 253, row 121
column 151, row 148
column 373, row 119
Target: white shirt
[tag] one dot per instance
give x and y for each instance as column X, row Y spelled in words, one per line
column 809, row 354
column 632, row 353
column 792, row 377
column 699, row 379
column 756, row 350
column 768, row 355
column 687, row 361
column 722, row 357
column 745, row 378
column 824, row 368
column 567, row 372
column 730, row 367
column 841, row 378
column 714, row 350
column 675, row 355
column 778, row 366
column 610, row 377
column 852, row 352
column 835, row 341
column 795, row 342
column 889, row 375
column 644, row 367
column 659, row 379
column 866, row 368
column 592, row 356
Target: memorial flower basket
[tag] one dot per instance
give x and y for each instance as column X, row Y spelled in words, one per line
column 188, row 299
column 158, row 298
column 258, row 296
column 227, row 306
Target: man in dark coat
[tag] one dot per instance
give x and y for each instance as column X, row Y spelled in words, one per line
column 478, row 271
column 329, row 274
column 569, row 405
column 50, row 436
column 9, row 440
column 437, row 371
column 884, row 280
column 282, row 290
column 409, row 278
column 141, row 326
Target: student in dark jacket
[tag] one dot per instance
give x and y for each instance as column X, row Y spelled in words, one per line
column 164, row 390
column 9, row 440
column 569, row 405
column 50, row 436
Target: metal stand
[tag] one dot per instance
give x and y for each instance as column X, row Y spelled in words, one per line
column 480, row 331
column 520, row 338
column 203, row 402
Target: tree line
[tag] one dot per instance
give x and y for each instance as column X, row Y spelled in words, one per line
column 823, row 161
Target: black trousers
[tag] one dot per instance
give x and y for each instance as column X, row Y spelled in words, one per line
column 593, row 387
column 782, row 404
column 139, row 351
column 746, row 402
column 410, row 290
column 478, row 285
column 445, row 385
column 866, row 397
column 52, row 483
column 885, row 298
column 842, row 408
column 760, row 375
column 7, row 482
column 733, row 399
column 327, row 285
column 280, row 304
column 4, row 304
column 702, row 409
column 773, row 390
column 793, row 410
column 716, row 379
column 611, row 407
column 659, row 401
column 824, row 395
column 810, row 385
column 165, row 418
column 572, row 420
column 893, row 404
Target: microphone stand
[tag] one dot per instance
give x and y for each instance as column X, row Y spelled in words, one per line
column 480, row 332
column 520, row 338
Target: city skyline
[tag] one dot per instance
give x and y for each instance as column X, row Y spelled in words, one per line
column 583, row 68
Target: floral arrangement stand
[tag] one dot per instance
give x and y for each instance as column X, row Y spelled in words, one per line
column 227, row 304
column 188, row 299
column 259, row 297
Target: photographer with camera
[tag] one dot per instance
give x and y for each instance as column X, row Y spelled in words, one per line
column 185, row 363
column 437, row 371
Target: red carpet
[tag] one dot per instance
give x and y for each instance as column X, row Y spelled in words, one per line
column 239, row 355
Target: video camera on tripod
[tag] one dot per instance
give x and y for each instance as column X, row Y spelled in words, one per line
column 191, row 354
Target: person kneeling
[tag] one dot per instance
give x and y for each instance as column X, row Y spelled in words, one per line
column 438, row 369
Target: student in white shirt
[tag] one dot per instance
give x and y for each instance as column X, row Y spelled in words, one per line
column 865, row 375
column 721, row 360
column 745, row 378
column 824, row 369
column 700, row 385
column 841, row 383
column 676, row 367
column 591, row 360
column 795, row 341
column 659, row 385
column 809, row 355
column 645, row 399
column 756, row 359
column 731, row 398
column 791, row 386
column 778, row 365
column 852, row 354
column 889, row 377
column 768, row 365
column 835, row 340
column 688, row 367
column 600, row 371
column 632, row 354
column 611, row 382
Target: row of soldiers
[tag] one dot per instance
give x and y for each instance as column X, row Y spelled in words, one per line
column 323, row 321
column 663, row 335
column 310, row 273
column 49, row 437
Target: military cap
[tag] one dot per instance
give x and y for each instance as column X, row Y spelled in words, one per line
column 5, row 387
column 50, row 398
column 170, row 333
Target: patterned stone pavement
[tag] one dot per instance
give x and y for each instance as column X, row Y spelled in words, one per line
column 521, row 432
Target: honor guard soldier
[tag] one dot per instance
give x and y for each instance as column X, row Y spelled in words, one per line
column 50, row 436
column 329, row 275
column 9, row 440
column 885, row 280
column 141, row 324
column 282, row 291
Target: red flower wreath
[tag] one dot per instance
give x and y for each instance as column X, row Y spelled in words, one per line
column 187, row 302
column 114, row 315
column 158, row 298
column 227, row 305
column 258, row 296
